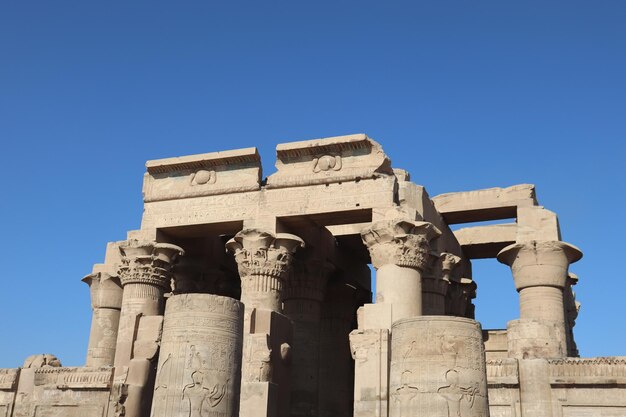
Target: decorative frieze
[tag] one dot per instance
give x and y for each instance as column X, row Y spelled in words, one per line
column 75, row 378
column 578, row 371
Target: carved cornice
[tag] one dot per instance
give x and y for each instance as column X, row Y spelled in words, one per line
column 148, row 263
column 400, row 242
column 263, row 254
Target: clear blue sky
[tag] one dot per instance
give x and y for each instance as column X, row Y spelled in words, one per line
column 464, row 95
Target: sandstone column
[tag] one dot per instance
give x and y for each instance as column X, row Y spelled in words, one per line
column 399, row 250
column 145, row 274
column 335, row 363
column 199, row 370
column 571, row 313
column 106, row 302
column 437, row 368
column 540, row 274
column 264, row 261
column 304, row 292
column 436, row 284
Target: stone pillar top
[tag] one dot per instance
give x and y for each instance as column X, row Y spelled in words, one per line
column 106, row 290
column 147, row 262
column 539, row 263
column 399, row 241
column 258, row 252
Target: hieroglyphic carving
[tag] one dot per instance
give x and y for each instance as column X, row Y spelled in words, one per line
column 258, row 367
column 404, row 395
column 199, row 369
column 443, row 358
column 453, row 393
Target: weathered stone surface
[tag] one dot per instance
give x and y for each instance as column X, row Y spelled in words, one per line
column 290, row 339
column 437, row 368
column 370, row 351
column 145, row 273
column 200, row 175
column 488, row 204
column 328, row 160
column 199, row 370
column 106, row 302
column 481, row 242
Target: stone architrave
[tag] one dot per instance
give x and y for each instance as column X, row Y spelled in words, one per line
column 399, row 249
column 145, row 274
column 264, row 260
column 540, row 270
column 437, row 368
column 106, row 302
column 199, row 370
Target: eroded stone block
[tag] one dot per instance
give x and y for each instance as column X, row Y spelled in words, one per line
column 329, row 160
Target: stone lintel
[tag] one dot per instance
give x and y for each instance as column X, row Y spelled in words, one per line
column 480, row 242
column 487, row 204
column 205, row 174
column 329, row 160
column 537, row 223
column 340, row 200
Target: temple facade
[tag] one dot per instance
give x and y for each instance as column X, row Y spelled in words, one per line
column 244, row 296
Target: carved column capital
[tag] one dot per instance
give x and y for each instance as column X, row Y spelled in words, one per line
column 148, row 263
column 539, row 263
column 264, row 260
column 263, row 253
column 400, row 242
column 106, row 290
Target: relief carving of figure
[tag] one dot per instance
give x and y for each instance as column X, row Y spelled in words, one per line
column 453, row 393
column 405, row 394
column 197, row 394
column 258, row 367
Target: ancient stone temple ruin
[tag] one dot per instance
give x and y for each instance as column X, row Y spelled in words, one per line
column 252, row 297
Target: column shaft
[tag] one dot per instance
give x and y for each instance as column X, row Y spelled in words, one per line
column 402, row 287
column 103, row 337
column 138, row 299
